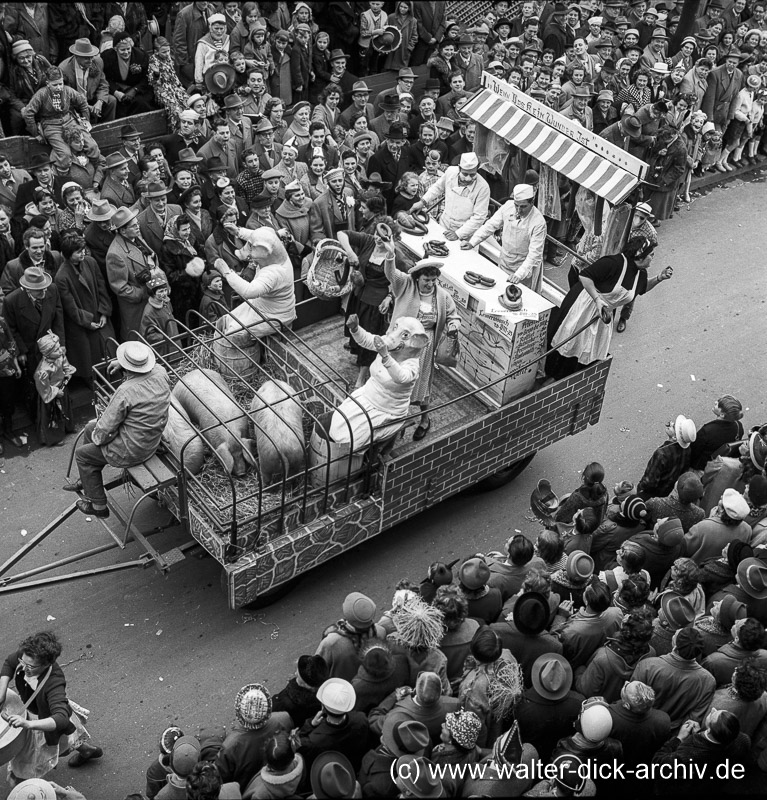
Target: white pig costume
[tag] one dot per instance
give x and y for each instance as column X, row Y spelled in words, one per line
column 384, row 401
column 271, row 291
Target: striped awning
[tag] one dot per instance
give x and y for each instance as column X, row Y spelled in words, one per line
column 551, row 147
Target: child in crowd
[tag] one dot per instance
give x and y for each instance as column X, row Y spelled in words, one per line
column 212, row 305
column 54, row 407
column 158, row 316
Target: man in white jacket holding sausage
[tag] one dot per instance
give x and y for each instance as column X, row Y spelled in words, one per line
column 466, row 195
column 522, row 240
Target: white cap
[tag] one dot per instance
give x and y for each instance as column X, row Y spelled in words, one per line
column 216, row 18
column 337, row 696
column 735, row 504
column 189, row 115
column 596, row 21
column 469, row 161
column 523, row 191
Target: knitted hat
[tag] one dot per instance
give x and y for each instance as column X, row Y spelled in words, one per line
column 464, row 727
column 313, row 670
column 688, row 642
column 638, row 696
column 634, row 508
column 689, row 488
column 359, row 611
column 428, row 689
column 669, row 531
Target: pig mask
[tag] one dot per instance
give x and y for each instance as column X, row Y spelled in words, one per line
column 405, row 338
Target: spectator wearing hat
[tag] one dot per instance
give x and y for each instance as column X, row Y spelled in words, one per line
column 661, row 547
column 154, row 219
column 222, row 146
column 336, row 726
column 604, row 112
column 468, row 63
column 405, row 80
column 485, row 602
column 639, row 727
column 458, row 742
column 270, row 152
column 299, row 696
column 31, row 311
column 570, row 581
column 549, row 707
column 727, row 523
column 181, row 259
column 750, row 587
column 427, row 704
column 341, row 642
column 683, row 689
column 117, row 188
column 290, row 169
column 98, row 232
column 524, row 632
column 631, row 518
column 87, row 307
column 129, row 264
column 242, row 754
column 557, row 35
column 747, row 638
column 240, row 127
column 188, row 136
column 592, row 741
column 330, row 212
column 83, row 73
column 26, row 76
column 523, row 236
column 721, row 97
column 339, row 74
column 43, row 176
column 713, row 740
column 226, row 192
column 716, row 626
column 400, row 737
column 681, row 503
column 126, row 68
column 210, row 45
column 669, row 461
column 582, row 633
column 360, row 96
column 183, row 758
column 675, row 612
column 123, row 436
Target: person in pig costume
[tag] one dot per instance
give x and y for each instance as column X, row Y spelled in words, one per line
column 129, row 430
column 271, row 291
column 380, row 406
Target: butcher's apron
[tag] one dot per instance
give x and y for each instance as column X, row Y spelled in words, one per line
column 458, row 209
column 592, row 344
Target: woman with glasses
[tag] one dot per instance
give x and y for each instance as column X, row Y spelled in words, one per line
column 51, row 726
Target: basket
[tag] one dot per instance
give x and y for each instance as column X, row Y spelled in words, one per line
column 329, row 273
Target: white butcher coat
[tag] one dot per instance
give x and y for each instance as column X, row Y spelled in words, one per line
column 465, row 206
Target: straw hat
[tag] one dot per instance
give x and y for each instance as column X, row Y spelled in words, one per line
column 136, row 357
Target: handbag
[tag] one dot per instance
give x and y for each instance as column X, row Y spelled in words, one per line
column 447, row 351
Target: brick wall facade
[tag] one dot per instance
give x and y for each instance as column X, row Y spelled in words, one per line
column 429, row 475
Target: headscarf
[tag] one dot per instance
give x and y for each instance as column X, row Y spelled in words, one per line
column 171, row 235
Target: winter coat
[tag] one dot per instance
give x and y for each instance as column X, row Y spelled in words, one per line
column 606, row 673
column 341, row 648
column 707, row 538
column 640, row 734
column 186, row 289
column 300, row 703
column 584, row 633
column 728, row 657
column 663, row 469
column 687, row 513
column 608, row 538
column 269, row 785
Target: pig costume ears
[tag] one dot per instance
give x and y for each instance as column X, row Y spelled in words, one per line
column 417, row 339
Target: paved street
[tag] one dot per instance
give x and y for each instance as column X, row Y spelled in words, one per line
column 143, row 651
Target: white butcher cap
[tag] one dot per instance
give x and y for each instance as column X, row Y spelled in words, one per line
column 523, row 191
column 469, row 161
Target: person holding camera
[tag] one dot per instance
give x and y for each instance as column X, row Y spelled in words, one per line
column 130, row 263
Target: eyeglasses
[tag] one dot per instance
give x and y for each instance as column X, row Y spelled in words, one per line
column 27, row 665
